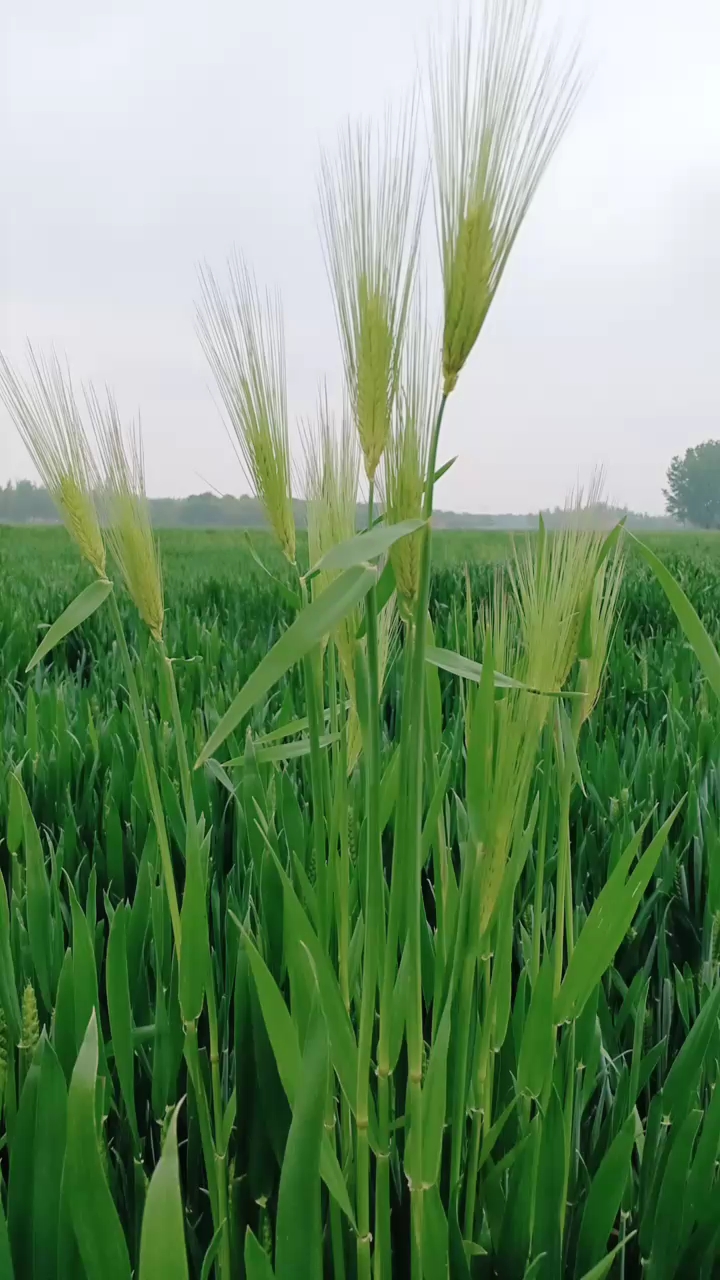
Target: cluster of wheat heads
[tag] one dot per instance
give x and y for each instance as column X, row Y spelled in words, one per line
column 360, row 1053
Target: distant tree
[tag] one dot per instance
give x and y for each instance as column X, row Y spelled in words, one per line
column 26, row 502
column 693, row 492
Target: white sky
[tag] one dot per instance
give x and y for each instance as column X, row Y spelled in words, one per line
column 140, row 137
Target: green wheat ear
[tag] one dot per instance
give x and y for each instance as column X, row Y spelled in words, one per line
column 30, row 1033
column 406, row 458
column 352, row 836
column 603, row 618
column 500, row 105
column 48, row 419
column 3, row 1053
column 370, row 209
column 243, row 338
column 552, row 589
column 331, row 476
column 128, row 525
column 266, row 1233
column 715, row 942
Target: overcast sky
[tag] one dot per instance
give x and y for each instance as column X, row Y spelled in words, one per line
column 140, row 137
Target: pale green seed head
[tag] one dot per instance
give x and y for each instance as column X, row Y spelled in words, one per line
column 243, row 338
column 388, row 644
column 375, row 376
column 370, row 210
column 332, row 470
column 128, row 526
column 406, row 459
column 552, row 579
column 467, row 290
column 332, row 467
column 535, row 633
column 388, row 638
column 78, row 508
column 48, row 419
column 499, row 623
column 556, row 582
column 603, row 618
column 500, row 105
column 518, row 718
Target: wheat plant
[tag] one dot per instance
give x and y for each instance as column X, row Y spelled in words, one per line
column 333, row 916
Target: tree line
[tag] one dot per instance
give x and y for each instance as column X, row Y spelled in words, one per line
column 23, row 502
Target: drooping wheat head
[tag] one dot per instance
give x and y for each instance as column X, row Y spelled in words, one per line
column 370, row 211
column 500, row 105
column 243, row 338
column 128, row 527
column 48, row 419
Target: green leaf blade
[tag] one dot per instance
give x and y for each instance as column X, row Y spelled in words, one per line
column 100, row 1238
column 309, row 628
column 686, row 615
column 298, row 1216
column 604, row 1198
column 117, row 989
column 364, row 547
column 78, row 611
column 162, row 1242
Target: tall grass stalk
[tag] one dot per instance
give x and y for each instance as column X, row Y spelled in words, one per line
column 371, row 224
column 219, row 1166
column 415, row 712
column 134, row 549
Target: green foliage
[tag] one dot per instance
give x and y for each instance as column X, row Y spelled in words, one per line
column 693, row 492
column 91, row 944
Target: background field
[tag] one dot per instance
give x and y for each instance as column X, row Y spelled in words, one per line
column 223, row 612
column 225, row 551
column 651, row 741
